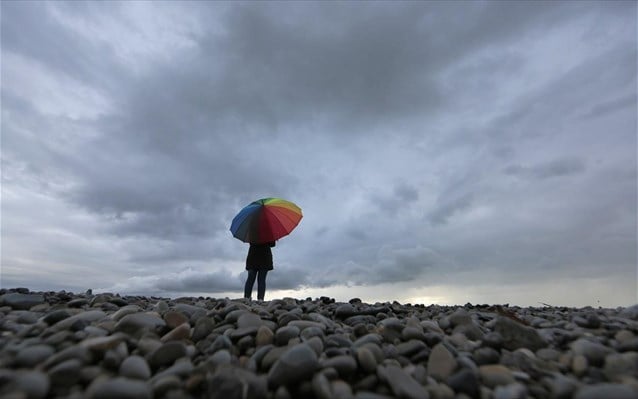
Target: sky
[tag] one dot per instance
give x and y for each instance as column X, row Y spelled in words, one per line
column 441, row 152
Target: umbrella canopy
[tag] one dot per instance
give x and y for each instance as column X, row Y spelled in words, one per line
column 265, row 220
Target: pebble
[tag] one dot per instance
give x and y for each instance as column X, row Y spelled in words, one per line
column 493, row 375
column 510, row 391
column 19, row 301
column 60, row 344
column 179, row 333
column 296, row 364
column 560, row 386
column 34, row 355
column 203, row 327
column 366, row 360
column 401, row 383
column 174, row 319
column 120, row 388
column 600, row 391
column 460, row 317
column 135, row 367
column 593, row 351
column 138, row 323
column 87, row 317
column 441, row 362
column 516, row 335
column 102, row 344
column 579, row 365
column 249, row 320
column 166, row 354
column 465, row 381
column 321, row 386
column 55, row 316
column 630, row 312
column 486, row 355
column 265, row 336
column 66, row 373
column 345, row 365
column 285, row 334
column 618, row 365
column 35, row 384
column 341, row 390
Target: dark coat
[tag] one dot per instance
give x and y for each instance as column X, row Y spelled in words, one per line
column 260, row 257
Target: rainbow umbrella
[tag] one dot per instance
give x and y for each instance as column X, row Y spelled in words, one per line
column 265, row 220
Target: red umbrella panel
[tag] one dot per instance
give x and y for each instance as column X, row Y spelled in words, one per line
column 265, row 220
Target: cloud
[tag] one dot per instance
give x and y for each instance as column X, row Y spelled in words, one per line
column 556, row 168
column 425, row 143
column 613, row 105
column 445, row 211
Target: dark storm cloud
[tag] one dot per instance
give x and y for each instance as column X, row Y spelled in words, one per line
column 55, row 46
column 418, row 137
column 613, row 105
column 557, row 168
column 221, row 281
column 402, row 196
column 288, row 279
column 180, row 146
column 449, row 207
column 190, row 280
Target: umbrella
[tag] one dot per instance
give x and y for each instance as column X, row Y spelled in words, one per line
column 265, row 220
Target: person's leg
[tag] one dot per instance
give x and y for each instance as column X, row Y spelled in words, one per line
column 261, row 284
column 250, row 281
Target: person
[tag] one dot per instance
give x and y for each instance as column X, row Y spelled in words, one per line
column 258, row 263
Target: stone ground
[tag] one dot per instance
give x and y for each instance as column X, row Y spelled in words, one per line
column 66, row 345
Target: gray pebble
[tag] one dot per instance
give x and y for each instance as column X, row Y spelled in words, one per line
column 465, row 381
column 593, row 351
column 441, row 363
column 516, row 335
column 21, row 301
column 34, row 355
column 249, row 320
column 220, row 357
column 160, row 386
column 493, row 375
column 630, row 312
column 55, row 316
column 34, row 383
column 120, row 388
column 410, row 347
column 600, row 391
column 264, row 336
column 66, row 373
column 341, row 390
column 84, row 317
column 511, row 391
column 80, row 353
column 203, row 327
column 401, row 383
column 285, row 334
column 321, row 386
column 166, row 354
column 460, row 317
column 135, row 367
column 296, row 364
column 366, row 359
column 138, row 323
column 345, row 365
column 618, row 365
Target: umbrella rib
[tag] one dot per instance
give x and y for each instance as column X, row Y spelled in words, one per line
column 285, row 214
column 274, row 220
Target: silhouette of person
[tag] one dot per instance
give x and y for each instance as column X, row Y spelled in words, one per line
column 258, row 263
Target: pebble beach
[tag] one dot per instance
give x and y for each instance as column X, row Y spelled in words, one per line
column 85, row 345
